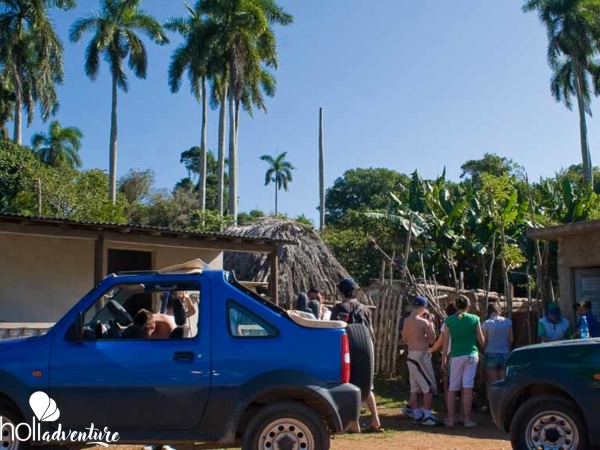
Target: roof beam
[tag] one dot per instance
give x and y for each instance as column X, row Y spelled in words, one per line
column 233, row 244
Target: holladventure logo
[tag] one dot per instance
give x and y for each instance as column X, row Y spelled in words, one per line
column 45, row 410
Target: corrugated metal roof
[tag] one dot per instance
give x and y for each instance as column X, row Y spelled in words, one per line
column 132, row 228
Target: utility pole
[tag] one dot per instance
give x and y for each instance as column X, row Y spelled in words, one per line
column 321, row 171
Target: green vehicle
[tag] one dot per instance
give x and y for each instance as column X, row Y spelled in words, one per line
column 550, row 398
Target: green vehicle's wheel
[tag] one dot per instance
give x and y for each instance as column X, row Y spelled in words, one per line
column 548, row 422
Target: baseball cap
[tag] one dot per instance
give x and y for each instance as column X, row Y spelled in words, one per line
column 420, row 301
column 553, row 309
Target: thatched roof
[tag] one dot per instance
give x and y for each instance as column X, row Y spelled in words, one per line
column 310, row 263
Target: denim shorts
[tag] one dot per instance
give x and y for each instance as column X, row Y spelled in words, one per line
column 495, row 361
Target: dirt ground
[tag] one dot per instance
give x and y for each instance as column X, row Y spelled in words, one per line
column 402, row 434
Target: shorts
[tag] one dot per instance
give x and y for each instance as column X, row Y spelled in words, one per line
column 495, row 361
column 422, row 377
column 462, row 372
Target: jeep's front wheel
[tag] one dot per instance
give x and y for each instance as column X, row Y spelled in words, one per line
column 548, row 421
column 10, row 419
column 282, row 426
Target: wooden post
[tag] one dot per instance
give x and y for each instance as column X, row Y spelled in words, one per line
column 99, row 265
column 274, row 279
column 321, row 172
column 99, row 259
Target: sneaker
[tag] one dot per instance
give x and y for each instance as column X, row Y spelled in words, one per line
column 151, row 447
column 418, row 419
column 167, row 447
column 408, row 411
column 470, row 424
column 431, row 421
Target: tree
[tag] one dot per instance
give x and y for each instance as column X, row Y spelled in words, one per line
column 7, row 105
column 573, row 29
column 32, row 56
column 363, row 190
column 194, row 57
column 491, row 164
column 115, row 36
column 18, row 168
column 189, row 159
column 71, row 194
column 136, row 188
column 279, row 173
column 60, row 146
column 242, row 34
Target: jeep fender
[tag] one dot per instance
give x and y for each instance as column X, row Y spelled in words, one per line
column 226, row 410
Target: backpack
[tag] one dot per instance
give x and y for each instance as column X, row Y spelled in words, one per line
column 358, row 315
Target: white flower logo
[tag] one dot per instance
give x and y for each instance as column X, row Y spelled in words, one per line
column 44, row 407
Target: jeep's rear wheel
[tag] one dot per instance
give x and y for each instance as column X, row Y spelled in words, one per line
column 548, row 422
column 11, row 418
column 289, row 425
column 362, row 358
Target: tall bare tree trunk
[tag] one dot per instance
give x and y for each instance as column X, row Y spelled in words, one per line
column 321, row 172
column 232, row 163
column 18, row 132
column 588, row 175
column 113, row 144
column 202, row 162
column 221, row 162
column 236, row 167
column 275, row 198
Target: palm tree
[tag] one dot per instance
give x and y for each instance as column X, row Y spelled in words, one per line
column 7, row 105
column 60, row 146
column 193, row 56
column 573, row 29
column 32, row 56
column 115, row 37
column 243, row 35
column 279, row 173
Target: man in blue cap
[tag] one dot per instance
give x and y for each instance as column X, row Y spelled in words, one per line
column 419, row 333
column 553, row 327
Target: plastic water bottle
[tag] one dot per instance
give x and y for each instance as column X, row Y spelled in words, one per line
column 585, row 331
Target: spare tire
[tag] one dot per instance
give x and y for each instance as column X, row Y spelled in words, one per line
column 362, row 358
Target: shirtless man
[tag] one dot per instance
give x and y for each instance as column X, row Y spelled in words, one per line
column 164, row 326
column 419, row 333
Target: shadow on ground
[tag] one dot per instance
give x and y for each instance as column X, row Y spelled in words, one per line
column 393, row 395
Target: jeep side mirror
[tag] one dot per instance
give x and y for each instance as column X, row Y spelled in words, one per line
column 79, row 327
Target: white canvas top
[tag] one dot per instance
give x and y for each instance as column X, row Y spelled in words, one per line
column 193, row 266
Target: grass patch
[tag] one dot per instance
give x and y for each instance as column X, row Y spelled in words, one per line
column 392, row 394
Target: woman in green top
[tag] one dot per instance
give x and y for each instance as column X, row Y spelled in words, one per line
column 465, row 331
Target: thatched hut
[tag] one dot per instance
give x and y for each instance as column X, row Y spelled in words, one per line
column 310, row 263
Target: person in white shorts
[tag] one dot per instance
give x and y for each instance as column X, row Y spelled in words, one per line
column 465, row 331
column 419, row 333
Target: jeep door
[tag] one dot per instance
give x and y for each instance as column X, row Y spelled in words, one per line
column 133, row 384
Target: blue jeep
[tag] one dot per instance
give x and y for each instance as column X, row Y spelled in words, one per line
column 238, row 371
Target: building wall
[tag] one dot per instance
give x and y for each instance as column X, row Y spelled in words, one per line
column 576, row 252
column 42, row 277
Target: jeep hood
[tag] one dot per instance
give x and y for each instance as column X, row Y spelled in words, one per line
column 553, row 351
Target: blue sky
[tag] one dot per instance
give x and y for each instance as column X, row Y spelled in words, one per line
column 405, row 84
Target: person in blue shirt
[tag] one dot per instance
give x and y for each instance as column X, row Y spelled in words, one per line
column 584, row 308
